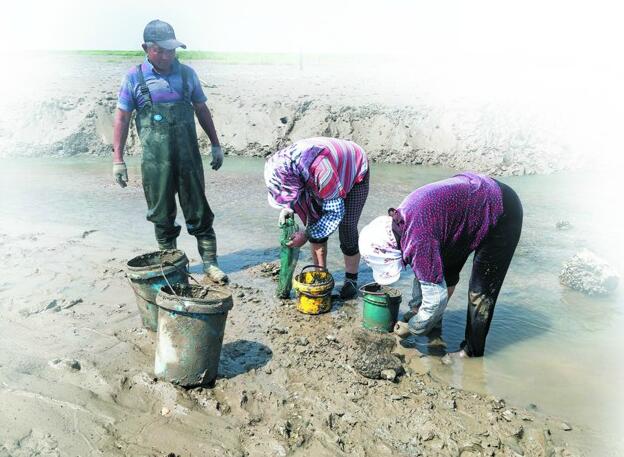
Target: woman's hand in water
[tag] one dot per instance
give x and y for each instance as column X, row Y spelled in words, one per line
column 298, row 239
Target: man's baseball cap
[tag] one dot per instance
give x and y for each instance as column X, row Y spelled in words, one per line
column 162, row 34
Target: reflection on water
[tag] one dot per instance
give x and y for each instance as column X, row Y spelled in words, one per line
column 547, row 346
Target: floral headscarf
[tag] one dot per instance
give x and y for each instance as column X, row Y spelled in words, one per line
column 285, row 175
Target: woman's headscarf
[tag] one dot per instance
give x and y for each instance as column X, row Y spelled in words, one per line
column 379, row 249
column 285, row 175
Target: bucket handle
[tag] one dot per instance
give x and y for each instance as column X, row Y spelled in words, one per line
column 162, row 271
column 380, row 293
column 184, row 271
column 313, row 266
column 311, row 295
column 323, row 269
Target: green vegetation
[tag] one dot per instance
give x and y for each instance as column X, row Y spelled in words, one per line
column 225, row 57
column 222, row 57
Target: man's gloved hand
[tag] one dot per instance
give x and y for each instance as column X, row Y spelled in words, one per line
column 285, row 213
column 120, row 174
column 217, row 157
column 298, row 239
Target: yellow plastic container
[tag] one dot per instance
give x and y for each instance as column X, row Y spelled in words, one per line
column 313, row 290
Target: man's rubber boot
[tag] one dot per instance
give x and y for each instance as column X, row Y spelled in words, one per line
column 208, row 251
column 167, row 245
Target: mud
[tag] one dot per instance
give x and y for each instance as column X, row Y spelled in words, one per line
column 155, row 259
column 373, row 358
column 194, row 291
column 266, row 270
column 317, row 280
column 377, row 289
column 287, row 383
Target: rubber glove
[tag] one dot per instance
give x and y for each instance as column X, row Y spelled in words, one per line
column 298, row 239
column 217, row 157
column 285, row 213
column 120, row 174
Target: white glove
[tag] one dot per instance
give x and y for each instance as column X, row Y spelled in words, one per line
column 285, row 213
column 217, row 157
column 120, row 174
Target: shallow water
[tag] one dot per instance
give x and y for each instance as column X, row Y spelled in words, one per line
column 548, row 347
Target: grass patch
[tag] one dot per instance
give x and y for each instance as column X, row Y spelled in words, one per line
column 233, row 58
column 221, row 57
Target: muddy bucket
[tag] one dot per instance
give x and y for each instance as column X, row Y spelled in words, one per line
column 313, row 290
column 191, row 323
column 381, row 307
column 148, row 273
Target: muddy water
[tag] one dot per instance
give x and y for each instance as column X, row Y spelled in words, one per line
column 549, row 348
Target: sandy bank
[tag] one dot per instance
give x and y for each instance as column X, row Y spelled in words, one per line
column 259, row 108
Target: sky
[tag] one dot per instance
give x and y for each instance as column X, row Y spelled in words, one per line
column 558, row 58
column 534, row 29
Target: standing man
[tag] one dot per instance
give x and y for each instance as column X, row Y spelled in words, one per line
column 166, row 95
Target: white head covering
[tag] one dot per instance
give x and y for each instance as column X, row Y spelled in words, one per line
column 379, row 249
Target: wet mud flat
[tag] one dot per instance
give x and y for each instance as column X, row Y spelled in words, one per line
column 76, row 375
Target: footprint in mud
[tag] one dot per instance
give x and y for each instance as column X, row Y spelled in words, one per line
column 241, row 356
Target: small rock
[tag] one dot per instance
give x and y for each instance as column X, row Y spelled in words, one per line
column 71, row 364
column 331, row 338
column 518, row 432
column 244, row 398
column 165, row 411
column 589, row 274
column 498, row 403
column 566, row 427
column 508, row 415
column 303, row 341
column 563, row 225
column 388, row 375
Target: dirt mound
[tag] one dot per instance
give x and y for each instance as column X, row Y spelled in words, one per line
column 76, row 118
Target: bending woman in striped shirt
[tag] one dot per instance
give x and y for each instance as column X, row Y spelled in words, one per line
column 325, row 182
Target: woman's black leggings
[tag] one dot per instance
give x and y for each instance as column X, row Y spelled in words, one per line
column 489, row 267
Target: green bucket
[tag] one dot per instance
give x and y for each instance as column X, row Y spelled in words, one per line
column 381, row 307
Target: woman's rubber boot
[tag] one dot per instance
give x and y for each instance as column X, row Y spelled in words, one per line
column 208, row 251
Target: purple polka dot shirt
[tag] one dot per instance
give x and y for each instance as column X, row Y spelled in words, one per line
column 446, row 219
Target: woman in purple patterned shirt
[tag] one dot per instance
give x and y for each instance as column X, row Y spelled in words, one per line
column 434, row 230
